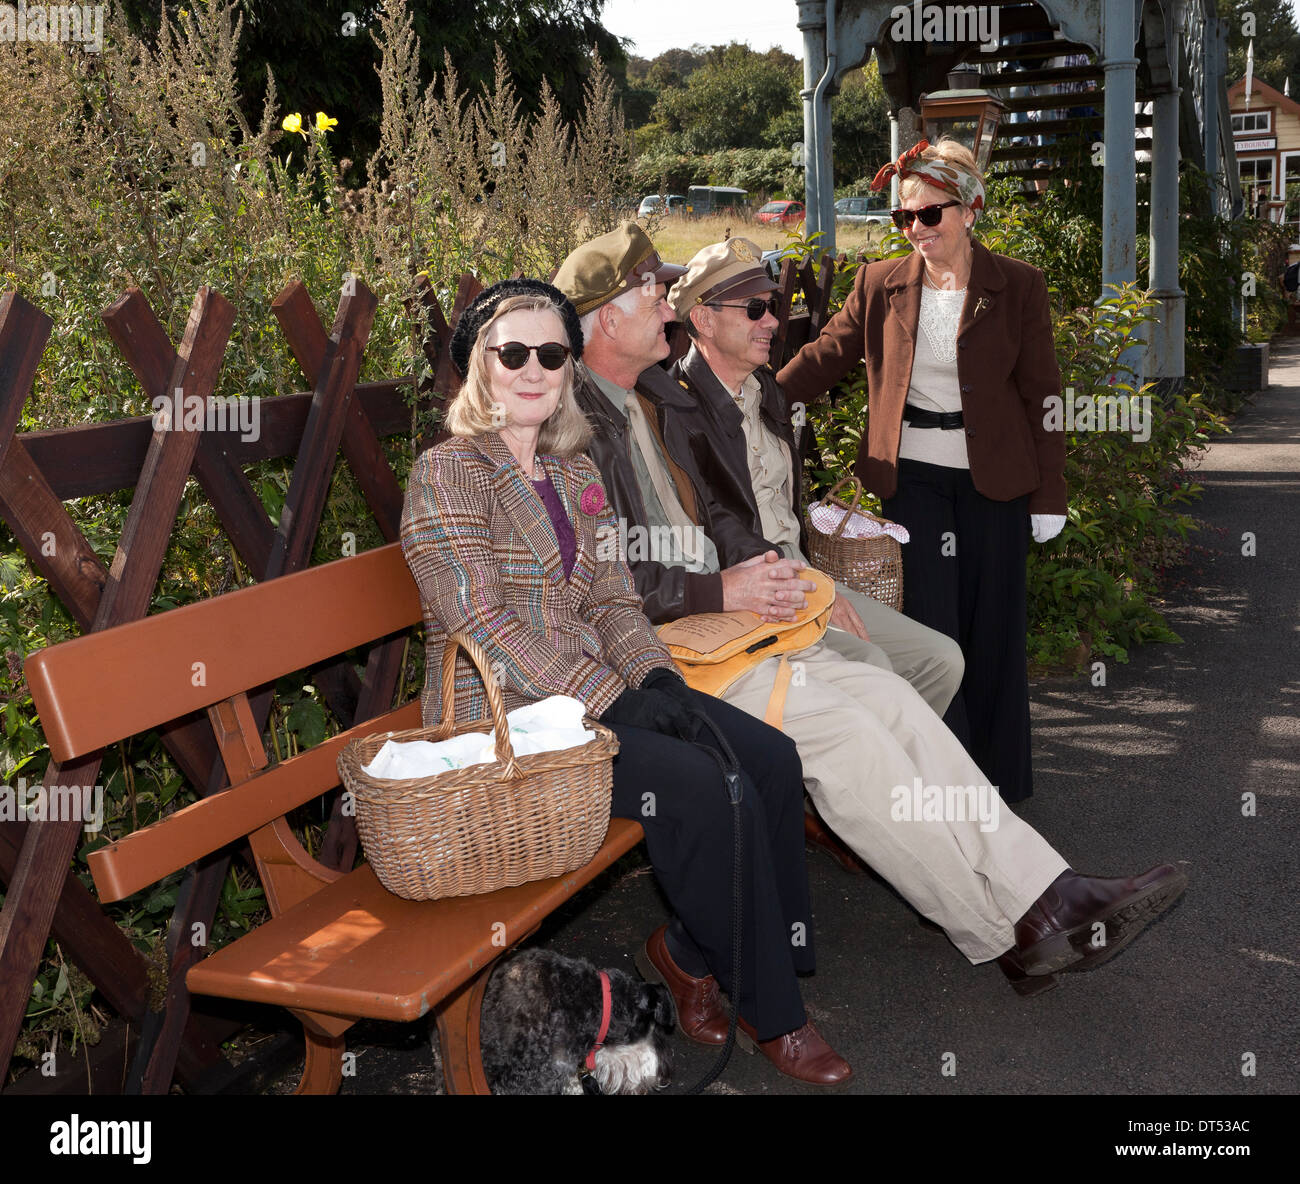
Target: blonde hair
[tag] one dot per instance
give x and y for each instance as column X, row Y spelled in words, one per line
column 950, row 151
column 565, row 434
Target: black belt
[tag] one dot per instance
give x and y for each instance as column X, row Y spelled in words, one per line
column 932, row 419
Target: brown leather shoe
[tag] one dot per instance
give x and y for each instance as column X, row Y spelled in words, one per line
column 700, row 1011
column 801, row 1054
column 1059, row 932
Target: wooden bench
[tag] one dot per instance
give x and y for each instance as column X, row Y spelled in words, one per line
column 339, row 946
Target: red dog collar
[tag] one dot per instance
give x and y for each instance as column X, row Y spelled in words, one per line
column 606, row 1008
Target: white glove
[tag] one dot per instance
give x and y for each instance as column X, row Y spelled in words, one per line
column 1046, row 526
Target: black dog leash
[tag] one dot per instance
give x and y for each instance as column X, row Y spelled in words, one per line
column 726, row 760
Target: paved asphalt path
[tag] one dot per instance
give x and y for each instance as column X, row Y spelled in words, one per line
column 1149, row 768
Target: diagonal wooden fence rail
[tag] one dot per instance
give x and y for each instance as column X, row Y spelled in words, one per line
column 155, row 456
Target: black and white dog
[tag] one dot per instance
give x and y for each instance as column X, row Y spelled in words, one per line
column 549, row 1020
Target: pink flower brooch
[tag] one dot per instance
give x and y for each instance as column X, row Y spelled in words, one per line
column 592, row 501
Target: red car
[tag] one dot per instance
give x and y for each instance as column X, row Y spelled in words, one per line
column 784, row 213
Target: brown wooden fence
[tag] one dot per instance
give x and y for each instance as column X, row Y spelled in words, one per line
column 39, row 471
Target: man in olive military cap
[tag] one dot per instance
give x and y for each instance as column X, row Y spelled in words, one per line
column 618, row 283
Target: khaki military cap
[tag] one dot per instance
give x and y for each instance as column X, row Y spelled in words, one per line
column 728, row 270
column 610, row 265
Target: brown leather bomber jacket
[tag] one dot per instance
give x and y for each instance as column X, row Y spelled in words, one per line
column 713, row 429
column 667, row 592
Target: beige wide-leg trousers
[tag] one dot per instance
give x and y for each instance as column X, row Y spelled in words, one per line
column 871, row 748
column 931, row 661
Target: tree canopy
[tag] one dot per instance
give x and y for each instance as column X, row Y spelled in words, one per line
column 730, row 115
column 1271, row 25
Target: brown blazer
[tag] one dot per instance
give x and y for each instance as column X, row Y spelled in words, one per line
column 1006, row 368
column 484, row 554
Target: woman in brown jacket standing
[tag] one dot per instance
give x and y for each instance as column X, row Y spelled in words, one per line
column 960, row 362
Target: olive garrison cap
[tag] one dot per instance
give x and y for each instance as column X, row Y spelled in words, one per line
column 730, row 270
column 610, row 265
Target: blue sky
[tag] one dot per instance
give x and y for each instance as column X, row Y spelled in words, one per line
column 656, row 25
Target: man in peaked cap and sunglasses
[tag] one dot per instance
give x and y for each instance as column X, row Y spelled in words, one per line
column 743, row 440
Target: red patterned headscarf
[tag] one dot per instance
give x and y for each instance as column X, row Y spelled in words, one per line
column 942, row 174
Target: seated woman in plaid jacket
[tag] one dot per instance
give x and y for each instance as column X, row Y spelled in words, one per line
column 500, row 531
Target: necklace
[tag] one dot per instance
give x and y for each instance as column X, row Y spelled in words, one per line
column 929, row 283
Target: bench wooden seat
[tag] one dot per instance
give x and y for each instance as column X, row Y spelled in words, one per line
column 345, row 950
column 339, row 947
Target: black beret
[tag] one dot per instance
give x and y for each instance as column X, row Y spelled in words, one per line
column 485, row 304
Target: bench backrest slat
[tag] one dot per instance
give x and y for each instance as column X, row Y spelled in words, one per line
column 143, row 858
column 98, row 689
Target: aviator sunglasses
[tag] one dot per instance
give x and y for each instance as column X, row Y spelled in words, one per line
column 514, row 354
column 929, row 215
column 754, row 309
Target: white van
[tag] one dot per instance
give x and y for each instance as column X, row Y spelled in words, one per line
column 652, row 201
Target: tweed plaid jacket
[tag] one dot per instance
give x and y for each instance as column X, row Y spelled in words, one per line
column 485, row 557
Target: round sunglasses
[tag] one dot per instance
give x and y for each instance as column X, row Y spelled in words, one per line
column 754, row 309
column 929, row 215
column 514, row 354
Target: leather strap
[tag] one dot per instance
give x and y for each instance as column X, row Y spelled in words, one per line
column 775, row 714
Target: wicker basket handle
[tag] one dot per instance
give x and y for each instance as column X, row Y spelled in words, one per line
column 838, row 532
column 500, row 726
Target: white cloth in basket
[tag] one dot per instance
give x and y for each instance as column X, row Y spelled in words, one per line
column 545, row 726
column 826, row 518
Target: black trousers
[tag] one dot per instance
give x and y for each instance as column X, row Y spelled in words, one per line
column 676, row 793
column 964, row 575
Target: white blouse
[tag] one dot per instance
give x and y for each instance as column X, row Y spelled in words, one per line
column 934, row 385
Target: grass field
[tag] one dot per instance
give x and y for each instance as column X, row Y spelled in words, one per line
column 678, row 238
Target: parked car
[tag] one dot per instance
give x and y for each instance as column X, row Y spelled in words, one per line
column 857, row 211
column 773, row 259
column 716, row 199
column 781, row 213
column 652, row 201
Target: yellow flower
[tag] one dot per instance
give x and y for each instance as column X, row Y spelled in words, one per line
column 293, row 123
column 324, row 122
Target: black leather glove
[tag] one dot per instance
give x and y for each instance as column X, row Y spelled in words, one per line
column 651, row 709
column 670, row 682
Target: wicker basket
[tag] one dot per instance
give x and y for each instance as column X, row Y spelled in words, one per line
column 871, row 566
column 483, row 827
